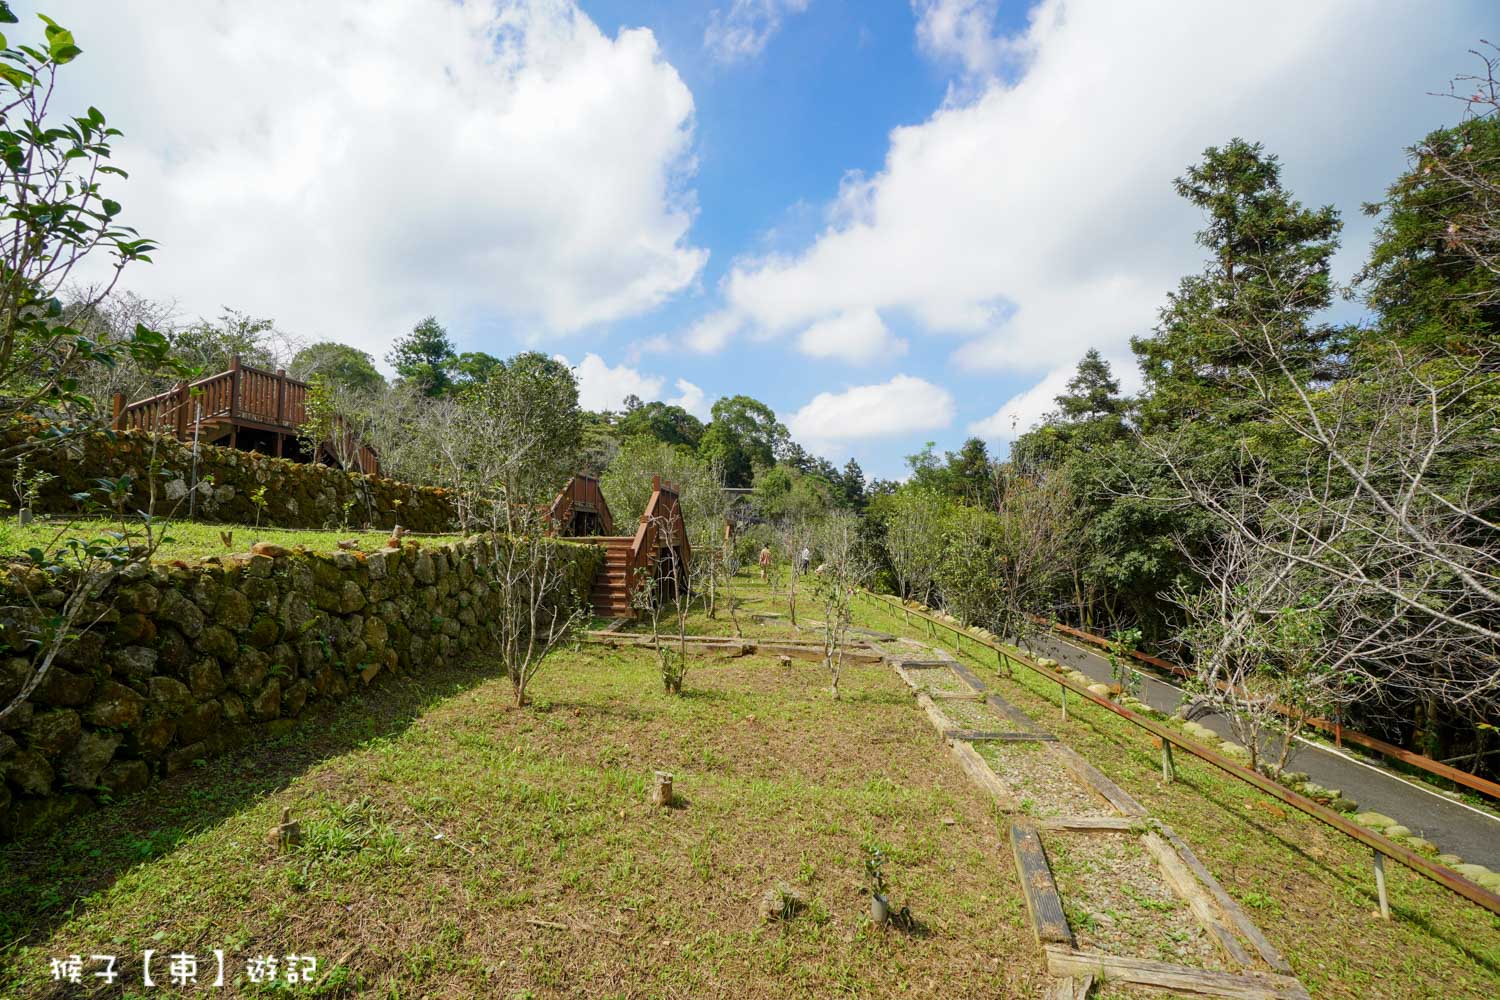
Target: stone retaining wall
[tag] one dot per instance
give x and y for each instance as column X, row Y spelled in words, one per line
column 187, row 661
column 296, row 495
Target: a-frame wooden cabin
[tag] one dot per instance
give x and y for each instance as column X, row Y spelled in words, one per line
column 658, row 550
column 580, row 510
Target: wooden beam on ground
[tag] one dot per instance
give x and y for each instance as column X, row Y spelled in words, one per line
column 935, row 715
column 1072, row 988
column 1064, row 961
column 1042, row 900
column 996, row 736
column 956, row 696
column 983, row 776
column 1083, row 824
column 1232, row 910
column 1096, row 782
column 1185, row 884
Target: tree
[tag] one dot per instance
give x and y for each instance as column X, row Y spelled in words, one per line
column 339, row 365
column 1268, row 254
column 743, row 436
column 844, row 567
column 851, row 486
column 425, row 357
column 472, row 368
column 212, row 346
column 663, row 422
column 56, row 216
column 914, row 540
column 1434, row 269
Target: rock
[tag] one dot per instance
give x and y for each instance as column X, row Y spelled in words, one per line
column 140, row 597
column 1490, row 881
column 263, row 632
column 205, row 679
column 64, row 689
column 1449, row 859
column 1102, row 690
column 249, row 672
column 269, row 550
column 1472, row 872
column 295, row 697
column 267, row 704
column 199, row 721
column 115, row 707
column 54, row 732
column 183, row 613
column 259, row 566
column 125, row 777
column 1294, row 777
column 1421, row 845
column 219, row 643
column 29, row 772
column 233, row 611
column 134, row 662
column 1343, row 805
column 1397, row 831
column 153, row 736
column 82, row 765
column 1374, row 820
column 234, row 709
column 171, row 696
column 134, row 628
column 351, row 598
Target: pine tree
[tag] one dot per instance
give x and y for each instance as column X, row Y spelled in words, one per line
column 852, row 484
column 1267, row 275
column 425, row 357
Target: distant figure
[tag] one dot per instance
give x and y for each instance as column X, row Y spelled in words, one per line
column 765, row 562
column 806, row 557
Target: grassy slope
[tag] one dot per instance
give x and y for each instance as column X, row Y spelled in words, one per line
column 192, row 540
column 544, row 817
column 1308, row 886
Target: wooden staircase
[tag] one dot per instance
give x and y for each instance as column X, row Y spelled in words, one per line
column 611, row 591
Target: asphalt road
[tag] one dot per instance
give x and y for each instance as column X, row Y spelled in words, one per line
column 1453, row 826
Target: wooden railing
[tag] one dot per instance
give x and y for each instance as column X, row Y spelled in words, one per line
column 663, row 509
column 242, row 395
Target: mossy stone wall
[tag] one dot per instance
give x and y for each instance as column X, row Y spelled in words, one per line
column 188, row 660
column 296, row 495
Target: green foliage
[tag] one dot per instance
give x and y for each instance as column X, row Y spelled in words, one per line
column 743, row 437
column 425, row 357
column 56, row 214
column 665, row 423
column 338, row 364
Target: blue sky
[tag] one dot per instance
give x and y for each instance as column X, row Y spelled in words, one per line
column 894, row 222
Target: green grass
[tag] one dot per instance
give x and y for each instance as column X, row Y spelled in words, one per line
column 446, row 837
column 188, row 540
column 453, row 846
column 1309, row 887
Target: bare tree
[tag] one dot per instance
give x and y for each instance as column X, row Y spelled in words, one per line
column 1473, row 173
column 538, row 604
column 844, row 567
column 1262, row 634
column 666, row 593
column 795, row 534
column 1382, row 486
column 1037, row 524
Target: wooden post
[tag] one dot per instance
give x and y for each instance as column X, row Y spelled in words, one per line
column 119, row 411
column 180, row 422
column 280, row 401
column 1168, row 769
column 1385, row 905
column 234, row 388
column 1064, row 689
column 661, row 791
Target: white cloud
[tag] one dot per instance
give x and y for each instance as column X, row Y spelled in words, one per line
column 903, row 405
column 348, row 166
column 713, row 332
column 1036, row 217
column 858, row 336
column 742, row 31
column 962, row 31
column 690, row 397
column 602, row 387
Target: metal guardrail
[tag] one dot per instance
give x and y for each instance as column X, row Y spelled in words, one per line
column 1337, row 730
column 1382, row 846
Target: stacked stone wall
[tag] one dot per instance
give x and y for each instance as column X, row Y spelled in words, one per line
column 185, row 661
column 296, row 495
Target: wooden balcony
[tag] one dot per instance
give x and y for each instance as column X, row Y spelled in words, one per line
column 246, row 408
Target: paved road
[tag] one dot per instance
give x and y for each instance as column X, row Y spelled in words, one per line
column 1453, row 826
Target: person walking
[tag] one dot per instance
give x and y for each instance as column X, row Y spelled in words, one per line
column 765, row 562
column 806, row 557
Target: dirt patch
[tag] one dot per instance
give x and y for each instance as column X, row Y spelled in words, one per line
column 1118, row 903
column 1044, row 786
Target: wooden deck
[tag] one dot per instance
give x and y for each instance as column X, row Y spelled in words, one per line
column 246, row 408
